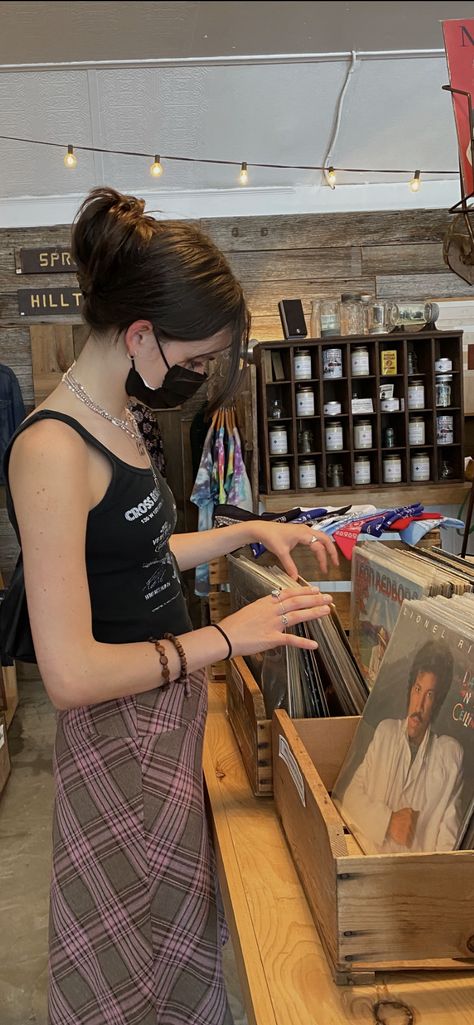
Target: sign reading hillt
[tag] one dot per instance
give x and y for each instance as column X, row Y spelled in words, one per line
column 49, row 302
column 46, row 260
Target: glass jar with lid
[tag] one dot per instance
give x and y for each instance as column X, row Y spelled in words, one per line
column 392, row 469
column 278, row 440
column 361, row 470
column 280, row 476
column 352, row 314
column 360, row 361
column 307, row 473
column 305, row 400
column 302, row 364
column 334, row 436
column 363, row 434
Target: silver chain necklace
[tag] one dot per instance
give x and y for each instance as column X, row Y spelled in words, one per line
column 129, row 425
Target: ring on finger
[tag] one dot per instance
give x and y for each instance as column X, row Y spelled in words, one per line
column 275, row 593
column 285, row 621
column 314, row 541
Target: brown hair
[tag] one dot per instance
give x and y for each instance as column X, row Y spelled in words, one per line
column 131, row 266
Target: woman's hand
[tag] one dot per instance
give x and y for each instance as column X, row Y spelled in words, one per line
column 261, row 625
column 281, row 538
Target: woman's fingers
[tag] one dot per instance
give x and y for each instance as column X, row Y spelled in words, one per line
column 291, row 601
column 305, row 616
column 323, row 547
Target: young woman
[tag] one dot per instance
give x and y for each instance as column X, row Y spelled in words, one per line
column 135, row 931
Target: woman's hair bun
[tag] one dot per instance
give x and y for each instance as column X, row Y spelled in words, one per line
column 109, row 226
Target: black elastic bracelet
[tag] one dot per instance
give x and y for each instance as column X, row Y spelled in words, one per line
column 219, row 628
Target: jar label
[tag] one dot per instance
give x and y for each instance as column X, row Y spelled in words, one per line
column 279, row 442
column 280, row 478
column 302, row 367
column 334, row 438
column 416, row 434
column 420, row 468
column 392, row 471
column 307, row 476
column 362, row 473
column 363, row 436
column 360, row 364
column 305, row 404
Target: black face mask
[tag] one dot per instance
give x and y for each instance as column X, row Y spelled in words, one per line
column 179, row 385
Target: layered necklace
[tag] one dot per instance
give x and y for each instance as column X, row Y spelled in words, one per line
column 128, row 425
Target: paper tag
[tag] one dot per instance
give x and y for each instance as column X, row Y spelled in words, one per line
column 2, row 735
column 295, row 773
column 238, row 681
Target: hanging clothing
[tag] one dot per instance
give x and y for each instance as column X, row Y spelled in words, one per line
column 221, row 479
column 12, row 410
column 136, row 926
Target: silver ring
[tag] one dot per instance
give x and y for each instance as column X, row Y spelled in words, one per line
column 285, row 621
column 275, row 593
column 314, row 541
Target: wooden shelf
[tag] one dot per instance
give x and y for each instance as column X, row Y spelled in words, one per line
column 403, row 341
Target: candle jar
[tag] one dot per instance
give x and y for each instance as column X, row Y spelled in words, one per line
column 361, row 470
column 304, row 400
column 392, row 469
column 334, row 436
column 280, row 476
column 302, row 365
column 420, row 466
column 278, row 440
column 416, row 431
column 363, row 434
column 416, row 395
column 360, row 361
column 307, row 473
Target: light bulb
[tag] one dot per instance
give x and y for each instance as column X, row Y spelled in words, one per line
column 415, row 181
column 244, row 175
column 331, row 177
column 70, row 160
column 156, row 169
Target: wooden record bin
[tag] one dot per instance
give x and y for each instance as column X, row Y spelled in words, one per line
column 446, row 461
column 374, row 912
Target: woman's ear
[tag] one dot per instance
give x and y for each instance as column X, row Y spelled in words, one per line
column 139, row 336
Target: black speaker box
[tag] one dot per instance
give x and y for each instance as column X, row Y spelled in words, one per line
column 292, row 318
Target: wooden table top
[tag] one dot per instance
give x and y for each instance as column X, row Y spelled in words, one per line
column 283, row 970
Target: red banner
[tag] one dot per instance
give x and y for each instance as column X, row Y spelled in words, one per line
column 459, row 46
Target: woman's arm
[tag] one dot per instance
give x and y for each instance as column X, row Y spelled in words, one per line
column 49, row 477
column 191, row 550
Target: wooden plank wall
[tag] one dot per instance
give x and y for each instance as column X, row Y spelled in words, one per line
column 391, row 254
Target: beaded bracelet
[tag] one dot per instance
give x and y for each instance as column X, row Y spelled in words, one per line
column 165, row 672
column 184, row 676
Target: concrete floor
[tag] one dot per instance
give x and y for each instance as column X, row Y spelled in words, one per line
column 25, row 849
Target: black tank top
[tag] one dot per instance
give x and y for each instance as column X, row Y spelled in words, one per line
column 134, row 583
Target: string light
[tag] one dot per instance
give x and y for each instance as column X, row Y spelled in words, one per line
column 415, row 181
column 156, row 169
column 402, row 171
column 70, row 160
column 331, row 177
column 244, row 174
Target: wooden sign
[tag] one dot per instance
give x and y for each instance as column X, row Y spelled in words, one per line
column 46, row 260
column 50, row 302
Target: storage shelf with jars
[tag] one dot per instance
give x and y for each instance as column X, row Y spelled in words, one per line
column 363, row 412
